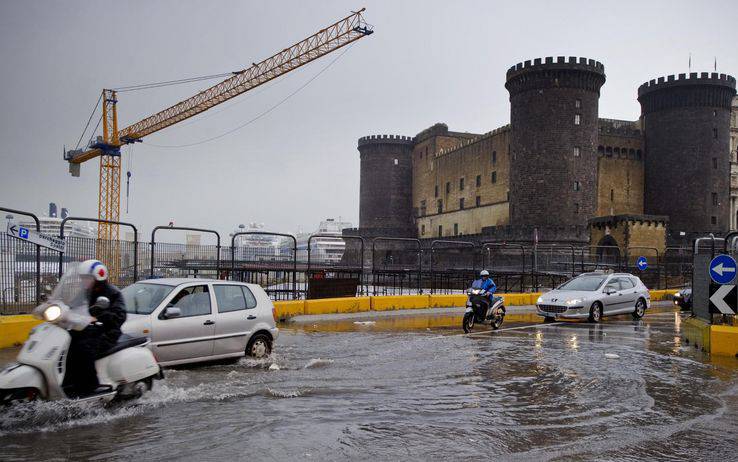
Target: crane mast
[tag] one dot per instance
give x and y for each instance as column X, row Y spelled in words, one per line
column 107, row 147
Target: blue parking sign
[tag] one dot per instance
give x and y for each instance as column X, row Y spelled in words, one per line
column 23, row 232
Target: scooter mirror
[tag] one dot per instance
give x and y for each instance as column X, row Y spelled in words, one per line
column 102, row 302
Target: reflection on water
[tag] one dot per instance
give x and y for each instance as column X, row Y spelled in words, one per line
column 621, row 390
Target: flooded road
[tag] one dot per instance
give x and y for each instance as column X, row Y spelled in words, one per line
column 621, row 390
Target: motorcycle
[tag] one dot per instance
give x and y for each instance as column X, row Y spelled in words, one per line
column 479, row 309
column 127, row 370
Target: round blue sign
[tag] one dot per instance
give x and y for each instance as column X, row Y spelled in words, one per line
column 722, row 269
column 642, row 263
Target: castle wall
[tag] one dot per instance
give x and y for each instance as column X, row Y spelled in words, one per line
column 438, row 179
column 620, row 168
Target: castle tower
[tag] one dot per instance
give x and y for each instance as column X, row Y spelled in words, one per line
column 385, row 202
column 686, row 121
column 554, row 118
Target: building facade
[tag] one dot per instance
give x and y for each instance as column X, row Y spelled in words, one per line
column 559, row 167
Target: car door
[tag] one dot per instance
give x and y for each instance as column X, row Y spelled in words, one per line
column 630, row 294
column 619, row 302
column 190, row 335
column 236, row 318
column 610, row 300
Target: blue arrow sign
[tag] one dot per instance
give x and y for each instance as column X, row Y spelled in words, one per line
column 642, row 263
column 722, row 269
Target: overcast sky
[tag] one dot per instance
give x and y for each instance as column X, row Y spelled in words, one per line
column 427, row 62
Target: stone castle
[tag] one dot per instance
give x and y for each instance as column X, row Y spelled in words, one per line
column 560, row 173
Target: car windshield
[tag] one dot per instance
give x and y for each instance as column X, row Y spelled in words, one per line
column 584, row 283
column 143, row 298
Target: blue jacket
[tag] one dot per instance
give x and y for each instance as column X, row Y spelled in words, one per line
column 488, row 285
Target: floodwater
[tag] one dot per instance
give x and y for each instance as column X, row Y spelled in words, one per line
column 621, row 390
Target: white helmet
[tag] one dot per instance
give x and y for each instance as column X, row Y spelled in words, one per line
column 484, row 273
column 94, row 268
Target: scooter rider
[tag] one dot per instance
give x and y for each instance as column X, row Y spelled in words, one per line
column 101, row 335
column 485, row 283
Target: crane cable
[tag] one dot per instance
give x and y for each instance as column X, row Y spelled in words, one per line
column 259, row 116
column 94, row 110
column 166, row 83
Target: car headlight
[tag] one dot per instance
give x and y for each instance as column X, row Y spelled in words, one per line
column 575, row 301
column 540, row 300
column 52, row 313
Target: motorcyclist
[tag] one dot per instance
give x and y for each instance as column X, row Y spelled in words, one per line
column 98, row 337
column 485, row 283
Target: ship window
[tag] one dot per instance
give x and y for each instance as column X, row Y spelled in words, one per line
column 578, row 103
column 577, row 151
column 577, row 119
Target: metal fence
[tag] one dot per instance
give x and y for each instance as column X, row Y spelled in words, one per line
column 325, row 265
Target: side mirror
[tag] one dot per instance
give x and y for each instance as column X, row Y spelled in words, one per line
column 172, row 312
column 102, row 302
column 609, row 291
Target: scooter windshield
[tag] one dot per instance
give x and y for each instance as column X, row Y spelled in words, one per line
column 70, row 289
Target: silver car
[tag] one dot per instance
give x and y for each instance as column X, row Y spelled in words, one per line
column 594, row 295
column 194, row 320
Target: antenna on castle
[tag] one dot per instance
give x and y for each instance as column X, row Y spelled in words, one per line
column 715, row 64
column 690, row 62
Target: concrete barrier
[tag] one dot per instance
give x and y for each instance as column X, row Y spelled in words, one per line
column 337, row 305
column 14, row 330
column 288, row 308
column 399, row 302
column 446, row 301
column 720, row 340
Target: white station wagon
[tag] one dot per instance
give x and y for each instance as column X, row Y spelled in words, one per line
column 194, row 320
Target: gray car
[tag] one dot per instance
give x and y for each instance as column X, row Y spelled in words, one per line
column 194, row 320
column 594, row 295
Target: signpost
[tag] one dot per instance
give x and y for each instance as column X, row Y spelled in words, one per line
column 723, row 294
column 28, row 235
column 642, row 263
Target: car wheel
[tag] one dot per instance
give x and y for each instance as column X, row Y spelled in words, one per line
column 595, row 312
column 260, row 346
column 640, row 309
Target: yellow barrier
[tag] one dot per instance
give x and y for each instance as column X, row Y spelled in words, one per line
column 399, row 302
column 337, row 305
column 287, row 309
column 14, row 330
column 724, row 340
column 446, row 301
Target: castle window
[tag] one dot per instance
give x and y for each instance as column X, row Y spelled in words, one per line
column 632, row 154
column 423, row 209
column 714, row 133
column 479, row 201
column 577, row 151
column 577, row 119
column 456, row 229
column 508, row 195
column 714, row 163
column 714, row 199
column 578, row 103
column 576, row 208
column 617, row 152
column 461, row 204
column 608, row 151
column 426, row 151
column 448, row 187
column 436, row 191
column 713, row 220
column 479, row 180
column 440, row 231
column 612, row 195
column 422, row 230
column 494, row 157
column 638, row 154
column 440, row 206
column 600, row 150
column 461, row 184
column 577, row 186
column 396, row 162
column 494, row 177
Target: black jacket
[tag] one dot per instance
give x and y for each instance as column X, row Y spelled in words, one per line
column 111, row 317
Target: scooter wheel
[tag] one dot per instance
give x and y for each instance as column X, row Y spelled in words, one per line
column 468, row 322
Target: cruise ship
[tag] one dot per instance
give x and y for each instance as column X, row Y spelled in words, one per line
column 327, row 247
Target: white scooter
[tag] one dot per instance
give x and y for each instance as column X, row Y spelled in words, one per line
column 127, row 370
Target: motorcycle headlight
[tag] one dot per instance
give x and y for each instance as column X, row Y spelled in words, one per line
column 540, row 300
column 52, row 313
column 574, row 301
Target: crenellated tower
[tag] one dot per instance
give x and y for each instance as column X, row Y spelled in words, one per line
column 385, row 203
column 686, row 121
column 554, row 117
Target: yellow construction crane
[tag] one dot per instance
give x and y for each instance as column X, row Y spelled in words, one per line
column 107, row 147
